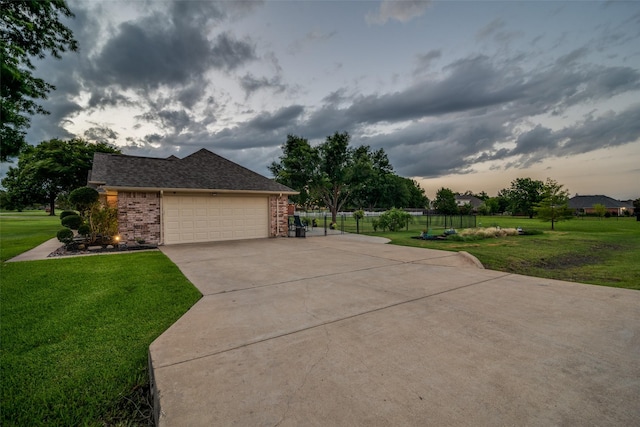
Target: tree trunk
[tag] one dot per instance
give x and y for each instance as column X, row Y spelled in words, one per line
column 52, row 205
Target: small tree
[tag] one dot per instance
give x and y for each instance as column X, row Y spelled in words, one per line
column 466, row 209
column 600, row 210
column 83, row 199
column 445, row 202
column 554, row 206
column 358, row 215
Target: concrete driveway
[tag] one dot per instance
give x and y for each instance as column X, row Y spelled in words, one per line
column 334, row 331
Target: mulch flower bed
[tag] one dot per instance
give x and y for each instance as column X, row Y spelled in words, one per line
column 64, row 251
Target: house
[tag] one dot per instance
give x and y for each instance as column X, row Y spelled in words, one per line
column 462, row 200
column 583, row 205
column 200, row 198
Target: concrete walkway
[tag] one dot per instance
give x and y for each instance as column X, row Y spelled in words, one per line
column 336, row 331
column 39, row 252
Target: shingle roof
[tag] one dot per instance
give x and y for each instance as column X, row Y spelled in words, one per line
column 202, row 170
column 472, row 200
column 582, row 202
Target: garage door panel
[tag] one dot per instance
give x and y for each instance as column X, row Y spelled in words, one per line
column 205, row 218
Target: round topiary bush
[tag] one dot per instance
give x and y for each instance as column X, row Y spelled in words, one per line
column 65, row 236
column 84, row 230
column 72, row 221
column 67, row 213
column 82, row 198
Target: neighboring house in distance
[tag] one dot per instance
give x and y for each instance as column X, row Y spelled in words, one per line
column 584, row 205
column 462, row 200
column 200, row 198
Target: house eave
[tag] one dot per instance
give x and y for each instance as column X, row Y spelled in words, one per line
column 198, row 190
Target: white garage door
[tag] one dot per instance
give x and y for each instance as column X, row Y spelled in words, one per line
column 206, row 218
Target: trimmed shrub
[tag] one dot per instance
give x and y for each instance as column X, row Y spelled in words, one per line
column 83, row 198
column 64, row 214
column 84, row 230
column 72, row 221
column 65, row 236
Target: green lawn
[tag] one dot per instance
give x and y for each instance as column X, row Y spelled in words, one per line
column 22, row 231
column 76, row 331
column 589, row 250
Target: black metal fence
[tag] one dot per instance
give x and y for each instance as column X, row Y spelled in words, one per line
column 345, row 222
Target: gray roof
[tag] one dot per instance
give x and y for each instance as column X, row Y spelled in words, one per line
column 472, row 200
column 202, row 170
column 581, row 202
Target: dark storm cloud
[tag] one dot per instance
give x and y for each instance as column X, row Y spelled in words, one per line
column 480, row 105
column 251, row 84
column 101, row 133
column 471, row 83
column 229, row 53
column 285, row 117
column 172, row 48
column 108, row 97
column 608, row 130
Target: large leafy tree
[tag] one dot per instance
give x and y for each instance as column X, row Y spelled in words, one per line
column 49, row 169
column 297, row 168
column 334, row 182
column 445, row 202
column 323, row 173
column 554, row 206
column 372, row 178
column 29, row 29
column 404, row 193
column 333, row 174
column 524, row 195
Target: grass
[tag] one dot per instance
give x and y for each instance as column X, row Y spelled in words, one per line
column 22, row 231
column 76, row 332
column 588, row 250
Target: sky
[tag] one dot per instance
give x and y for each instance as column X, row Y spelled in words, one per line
column 467, row 95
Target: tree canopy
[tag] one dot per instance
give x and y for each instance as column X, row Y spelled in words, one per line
column 49, row 169
column 335, row 175
column 445, row 202
column 523, row 195
column 30, row 29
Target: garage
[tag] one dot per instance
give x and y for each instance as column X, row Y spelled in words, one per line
column 206, row 218
column 200, row 198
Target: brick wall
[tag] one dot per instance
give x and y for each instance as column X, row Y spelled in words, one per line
column 139, row 216
column 278, row 209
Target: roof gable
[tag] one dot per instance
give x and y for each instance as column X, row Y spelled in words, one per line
column 202, row 170
column 581, row 202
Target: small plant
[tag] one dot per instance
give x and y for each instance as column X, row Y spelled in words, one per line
column 103, row 220
column 395, row 219
column 64, row 214
column 65, row 236
column 358, row 215
column 72, row 221
column 375, row 224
